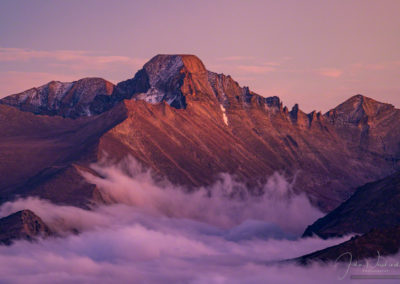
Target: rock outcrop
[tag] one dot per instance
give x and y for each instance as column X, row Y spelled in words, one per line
column 22, row 225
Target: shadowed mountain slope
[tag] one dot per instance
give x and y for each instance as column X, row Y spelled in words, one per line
column 376, row 243
column 35, row 149
column 374, row 205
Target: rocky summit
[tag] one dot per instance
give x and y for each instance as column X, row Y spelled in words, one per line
column 162, row 79
column 188, row 124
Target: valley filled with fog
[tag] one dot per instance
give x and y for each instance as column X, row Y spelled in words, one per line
column 155, row 232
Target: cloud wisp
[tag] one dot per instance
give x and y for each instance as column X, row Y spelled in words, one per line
column 32, row 68
column 225, row 203
column 330, row 72
column 81, row 56
column 236, row 58
column 256, row 69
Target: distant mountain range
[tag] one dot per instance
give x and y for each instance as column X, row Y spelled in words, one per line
column 188, row 125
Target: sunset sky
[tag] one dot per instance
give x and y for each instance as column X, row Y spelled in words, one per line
column 315, row 53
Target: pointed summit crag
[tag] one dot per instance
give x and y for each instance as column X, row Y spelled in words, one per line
column 163, row 79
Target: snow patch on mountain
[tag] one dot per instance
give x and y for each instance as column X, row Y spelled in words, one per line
column 224, row 117
column 152, row 96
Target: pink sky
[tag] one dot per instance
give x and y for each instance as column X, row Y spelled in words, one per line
column 315, row 53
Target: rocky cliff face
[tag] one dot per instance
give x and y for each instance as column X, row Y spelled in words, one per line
column 189, row 124
column 22, row 225
column 170, row 79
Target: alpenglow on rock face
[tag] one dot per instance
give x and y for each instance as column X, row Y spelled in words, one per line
column 189, row 125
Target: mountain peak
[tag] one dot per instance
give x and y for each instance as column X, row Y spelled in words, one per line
column 162, row 63
column 68, row 99
column 359, row 108
column 360, row 101
column 162, row 77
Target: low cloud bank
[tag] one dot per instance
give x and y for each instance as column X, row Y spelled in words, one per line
column 225, row 204
column 159, row 234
